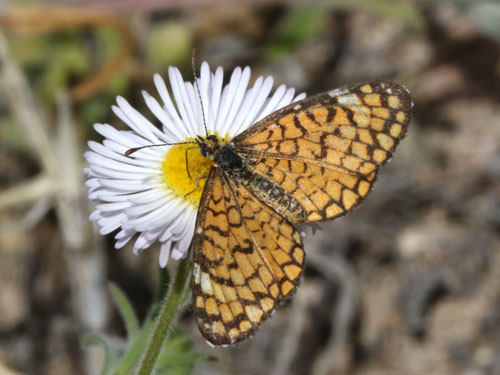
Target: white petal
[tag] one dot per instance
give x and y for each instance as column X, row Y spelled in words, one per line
column 92, row 182
column 216, row 94
column 123, row 237
column 123, row 185
column 109, row 224
column 264, row 91
column 111, row 154
column 286, row 99
column 271, row 105
column 136, row 121
column 204, row 85
column 228, row 94
column 155, row 217
column 106, row 172
column 239, row 95
column 110, row 196
column 113, row 206
column 95, row 216
column 148, row 155
column 301, row 96
column 146, row 196
column 244, row 119
column 169, row 108
column 180, row 95
column 115, row 165
column 174, row 133
column 142, row 209
column 164, row 253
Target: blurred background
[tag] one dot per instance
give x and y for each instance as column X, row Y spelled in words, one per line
column 407, row 284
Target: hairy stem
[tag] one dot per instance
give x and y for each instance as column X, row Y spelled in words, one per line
column 173, row 301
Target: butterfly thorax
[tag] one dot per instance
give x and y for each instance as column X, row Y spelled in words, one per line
column 222, row 154
column 226, row 157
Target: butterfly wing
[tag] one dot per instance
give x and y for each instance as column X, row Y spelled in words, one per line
column 247, row 258
column 325, row 150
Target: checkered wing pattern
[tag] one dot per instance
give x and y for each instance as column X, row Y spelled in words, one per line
column 313, row 160
column 325, row 151
column 247, row 259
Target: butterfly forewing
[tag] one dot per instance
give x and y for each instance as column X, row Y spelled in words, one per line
column 247, row 259
column 325, row 150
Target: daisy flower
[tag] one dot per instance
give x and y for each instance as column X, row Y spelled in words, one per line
column 154, row 195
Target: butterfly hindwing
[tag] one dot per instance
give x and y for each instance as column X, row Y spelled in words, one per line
column 247, row 259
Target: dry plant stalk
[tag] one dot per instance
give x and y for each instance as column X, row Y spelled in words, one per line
column 60, row 182
column 51, row 19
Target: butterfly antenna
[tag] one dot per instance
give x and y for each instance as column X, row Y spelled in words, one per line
column 130, row 151
column 198, row 89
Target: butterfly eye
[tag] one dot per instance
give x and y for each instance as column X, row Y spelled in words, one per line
column 203, row 150
column 212, row 137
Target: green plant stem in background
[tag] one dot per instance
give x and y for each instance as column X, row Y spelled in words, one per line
column 174, row 300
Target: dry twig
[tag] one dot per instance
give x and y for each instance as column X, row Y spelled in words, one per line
column 335, row 358
column 50, row 19
column 61, row 180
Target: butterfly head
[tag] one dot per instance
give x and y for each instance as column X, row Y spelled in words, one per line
column 209, row 145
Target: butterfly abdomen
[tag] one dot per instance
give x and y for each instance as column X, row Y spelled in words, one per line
column 275, row 196
column 263, row 188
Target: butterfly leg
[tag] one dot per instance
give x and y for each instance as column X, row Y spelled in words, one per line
column 197, row 185
column 187, row 166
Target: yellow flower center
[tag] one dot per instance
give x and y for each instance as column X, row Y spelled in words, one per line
column 178, row 161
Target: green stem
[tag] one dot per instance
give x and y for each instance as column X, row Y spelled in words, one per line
column 171, row 304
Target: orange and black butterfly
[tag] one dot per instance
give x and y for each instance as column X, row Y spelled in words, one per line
column 313, row 160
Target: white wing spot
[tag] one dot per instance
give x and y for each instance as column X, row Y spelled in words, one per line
column 206, row 284
column 349, row 99
column 209, row 343
column 337, row 92
column 196, row 273
column 253, row 313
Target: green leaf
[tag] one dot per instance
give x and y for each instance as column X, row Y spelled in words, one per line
column 126, row 311
column 178, row 357
column 131, row 358
column 110, row 357
column 299, row 25
column 394, row 9
column 169, row 43
column 109, row 43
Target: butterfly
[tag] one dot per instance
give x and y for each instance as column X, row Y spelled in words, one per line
column 312, row 161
